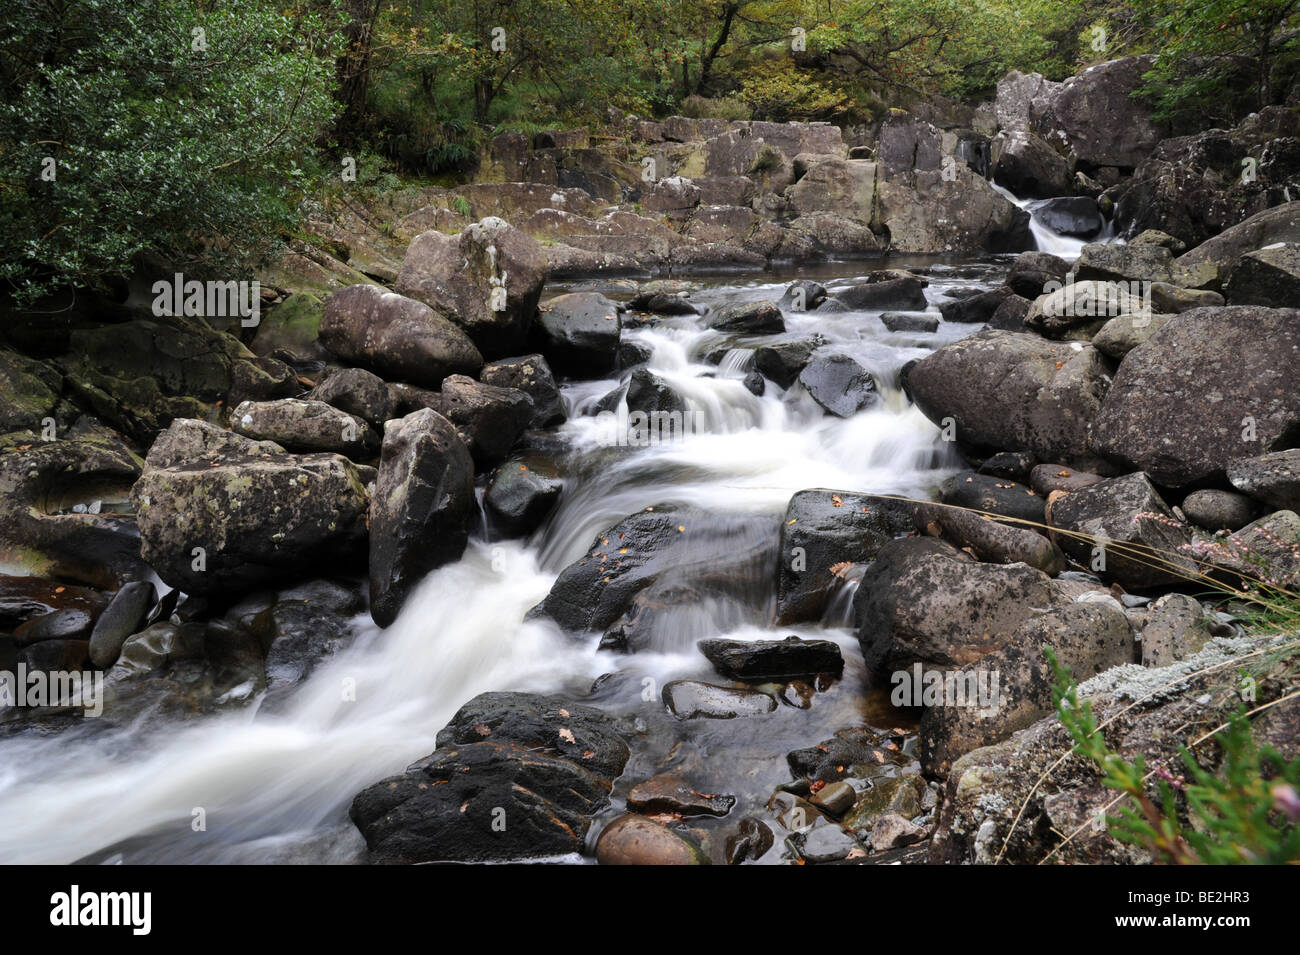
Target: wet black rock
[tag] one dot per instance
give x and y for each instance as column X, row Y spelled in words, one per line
column 690, row 699
column 531, row 375
column 579, row 334
column 839, row 384
column 749, row 318
column 422, row 510
column 781, row 362
column 548, row 724
column 761, row 660
column 520, row 496
column 124, row 616
column 823, row 529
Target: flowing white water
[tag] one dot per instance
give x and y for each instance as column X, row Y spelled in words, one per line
column 1066, row 247
column 276, row 787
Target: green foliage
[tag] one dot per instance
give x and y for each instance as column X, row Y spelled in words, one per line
column 780, row 95
column 1247, row 813
column 1217, row 58
column 160, row 147
column 727, row 108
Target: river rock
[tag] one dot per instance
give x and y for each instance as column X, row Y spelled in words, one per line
column 974, row 309
column 924, row 322
column 1013, row 391
column 304, row 627
column 1122, row 334
column 463, row 276
column 579, row 334
column 1216, row 258
column 520, row 496
column 747, row 318
column 1087, row 638
column 758, row 661
column 532, row 375
column 356, row 392
column 852, row 753
column 422, row 510
column 839, row 384
column 1265, row 550
column 691, row 699
column 884, row 290
column 646, row 392
column 892, row 831
column 1167, row 298
column 1140, row 540
column 224, row 504
column 993, row 495
column 548, row 724
column 781, row 362
column 489, row 419
column 1029, row 167
column 61, row 507
column 924, row 601
column 1069, row 215
column 672, row 793
column 449, row 806
column 1176, row 626
column 636, row 840
column 1095, row 115
column 824, row 842
column 750, row 842
column 29, row 391
column 900, row 795
column 1046, row 478
column 60, row 625
column 1117, row 263
column 990, row 541
column 305, row 426
column 1078, row 310
column 802, row 296
column 396, row 336
column 821, row 530
column 648, row 560
column 1220, row 510
column 124, row 616
column 1179, row 412
column 1271, row 478
column 1269, row 276
column 1032, row 270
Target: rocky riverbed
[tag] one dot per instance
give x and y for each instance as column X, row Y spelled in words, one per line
column 515, row 529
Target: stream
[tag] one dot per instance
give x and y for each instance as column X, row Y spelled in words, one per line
column 275, row 787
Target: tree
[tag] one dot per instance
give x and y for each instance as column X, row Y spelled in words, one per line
column 1209, row 49
column 163, row 128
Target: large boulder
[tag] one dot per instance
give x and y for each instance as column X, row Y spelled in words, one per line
column 823, row 530
column 1195, row 187
column 845, row 187
column 1095, row 116
column 1181, row 412
column 357, row 392
column 29, row 392
column 579, row 334
column 62, row 510
column 1214, row 260
column 1029, row 167
column 422, row 510
column 1086, row 637
column 924, row 602
column 885, row 289
column 487, row 280
column 1014, row 391
column 1269, row 276
column 949, row 210
column 1032, row 270
column 990, row 540
column 396, row 336
column 243, row 513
